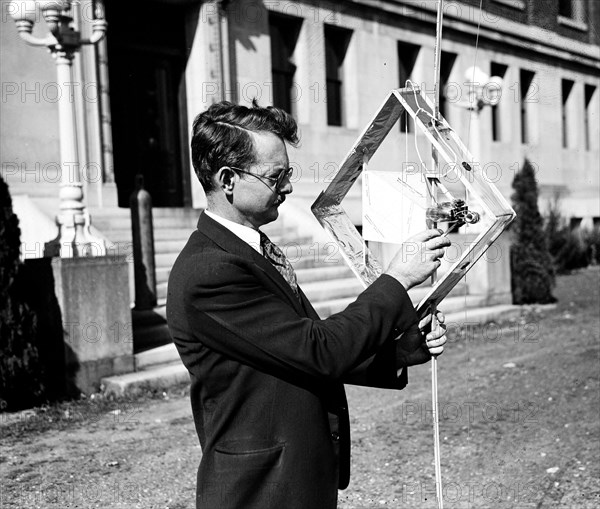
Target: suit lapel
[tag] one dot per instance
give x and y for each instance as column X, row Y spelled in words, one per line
column 231, row 243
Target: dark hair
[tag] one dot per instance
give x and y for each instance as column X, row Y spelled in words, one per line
column 221, row 136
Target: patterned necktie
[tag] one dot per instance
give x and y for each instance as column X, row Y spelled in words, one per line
column 272, row 253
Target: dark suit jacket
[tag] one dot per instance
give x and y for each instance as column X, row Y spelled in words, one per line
column 267, row 374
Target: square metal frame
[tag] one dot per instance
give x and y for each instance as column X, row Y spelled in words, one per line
column 328, row 210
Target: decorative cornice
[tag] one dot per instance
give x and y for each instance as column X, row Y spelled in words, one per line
column 465, row 18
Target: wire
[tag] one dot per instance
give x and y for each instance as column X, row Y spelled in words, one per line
column 475, row 62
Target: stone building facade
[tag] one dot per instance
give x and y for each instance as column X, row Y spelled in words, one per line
column 331, row 64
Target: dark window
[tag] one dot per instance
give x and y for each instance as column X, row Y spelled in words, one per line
column 567, row 87
column 565, row 8
column 336, row 44
column 590, row 90
column 526, row 80
column 447, row 63
column 284, row 31
column 573, row 9
column 407, row 57
column 497, row 70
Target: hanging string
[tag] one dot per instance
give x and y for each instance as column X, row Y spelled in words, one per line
column 469, row 148
column 475, row 64
column 430, row 185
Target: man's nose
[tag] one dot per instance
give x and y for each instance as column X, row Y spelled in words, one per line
column 286, row 186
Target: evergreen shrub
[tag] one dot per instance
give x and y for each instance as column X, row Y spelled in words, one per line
column 569, row 249
column 531, row 263
column 21, row 383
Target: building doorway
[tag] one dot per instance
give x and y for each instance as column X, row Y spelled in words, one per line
column 146, row 61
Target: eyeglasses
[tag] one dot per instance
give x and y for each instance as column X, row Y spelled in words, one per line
column 274, row 182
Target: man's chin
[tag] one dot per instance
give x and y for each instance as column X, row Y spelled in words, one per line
column 269, row 217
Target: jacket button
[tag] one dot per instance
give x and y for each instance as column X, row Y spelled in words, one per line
column 335, row 436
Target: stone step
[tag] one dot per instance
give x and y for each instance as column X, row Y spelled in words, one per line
column 161, row 290
column 160, row 377
column 122, row 222
column 330, row 294
column 301, row 256
column 161, row 368
column 455, row 308
column 165, row 354
column 169, row 246
column 326, row 283
column 174, row 244
column 160, row 234
column 312, row 260
column 450, row 304
column 325, row 273
column 162, row 274
column 318, row 291
column 325, row 286
column 420, row 292
column 165, row 260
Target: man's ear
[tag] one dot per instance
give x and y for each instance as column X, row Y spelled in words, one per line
column 225, row 179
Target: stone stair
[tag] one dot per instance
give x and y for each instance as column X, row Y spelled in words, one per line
column 325, row 278
column 172, row 228
column 161, row 367
column 323, row 275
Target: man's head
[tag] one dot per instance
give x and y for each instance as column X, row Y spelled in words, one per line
column 240, row 158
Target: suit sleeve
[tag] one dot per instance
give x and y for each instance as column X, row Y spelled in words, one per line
column 387, row 369
column 231, row 311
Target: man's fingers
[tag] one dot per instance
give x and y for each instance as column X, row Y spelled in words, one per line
column 437, row 243
column 438, row 332
column 437, row 253
column 436, row 351
column 424, row 236
column 425, row 321
column 435, row 340
column 440, row 317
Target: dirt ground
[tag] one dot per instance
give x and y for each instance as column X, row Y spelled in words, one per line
column 519, row 427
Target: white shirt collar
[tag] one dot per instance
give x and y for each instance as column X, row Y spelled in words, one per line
column 249, row 235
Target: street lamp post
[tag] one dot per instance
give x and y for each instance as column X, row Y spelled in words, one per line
column 64, row 41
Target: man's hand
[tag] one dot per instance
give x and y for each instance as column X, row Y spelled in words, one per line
column 418, row 258
column 434, row 339
column 419, row 343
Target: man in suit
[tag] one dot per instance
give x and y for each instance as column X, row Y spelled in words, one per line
column 267, row 374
